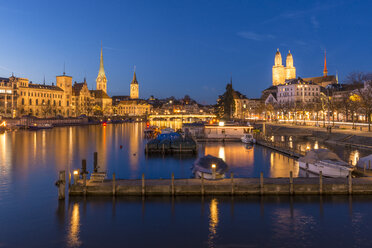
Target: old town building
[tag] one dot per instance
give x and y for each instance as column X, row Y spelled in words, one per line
column 131, row 105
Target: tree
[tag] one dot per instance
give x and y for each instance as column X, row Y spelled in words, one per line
column 225, row 104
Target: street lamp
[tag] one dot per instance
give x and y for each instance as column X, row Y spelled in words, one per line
column 213, row 171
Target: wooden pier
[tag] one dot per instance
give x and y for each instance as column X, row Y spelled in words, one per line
column 229, row 186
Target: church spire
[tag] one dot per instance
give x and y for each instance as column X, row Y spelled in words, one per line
column 101, row 68
column 134, row 81
column 325, row 71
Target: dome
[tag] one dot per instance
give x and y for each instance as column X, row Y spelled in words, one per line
column 278, row 58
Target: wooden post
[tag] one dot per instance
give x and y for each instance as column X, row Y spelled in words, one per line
column 84, row 166
column 202, row 184
column 143, row 183
column 261, row 184
column 61, row 185
column 172, row 187
column 180, row 147
column 320, row 182
column 95, row 163
column 113, row 184
column 232, row 183
column 85, row 184
column 350, row 183
column 163, row 149
column 291, row 183
column 69, row 179
column 146, row 149
column 364, row 168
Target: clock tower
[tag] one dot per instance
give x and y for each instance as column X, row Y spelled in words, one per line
column 134, row 87
column 101, row 81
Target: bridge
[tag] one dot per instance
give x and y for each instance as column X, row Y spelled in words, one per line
column 183, row 116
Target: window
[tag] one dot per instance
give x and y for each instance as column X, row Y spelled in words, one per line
column 37, row 101
column 23, row 101
column 30, row 101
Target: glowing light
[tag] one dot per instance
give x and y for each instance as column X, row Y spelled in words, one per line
column 221, row 124
column 76, row 172
column 213, row 166
column 3, row 124
column 73, row 235
column 213, row 221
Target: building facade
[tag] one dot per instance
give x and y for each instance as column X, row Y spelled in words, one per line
column 131, row 105
column 298, row 90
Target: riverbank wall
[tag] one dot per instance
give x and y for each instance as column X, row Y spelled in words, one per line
column 345, row 138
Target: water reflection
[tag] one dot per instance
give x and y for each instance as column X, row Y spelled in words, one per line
column 213, row 222
column 73, row 238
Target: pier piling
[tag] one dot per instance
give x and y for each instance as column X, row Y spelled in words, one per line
column 320, row 182
column 172, row 186
column 143, row 184
column 291, row 183
column 232, row 183
column 95, row 163
column 61, row 185
column 350, row 179
column 113, row 184
column 202, row 184
column 261, row 184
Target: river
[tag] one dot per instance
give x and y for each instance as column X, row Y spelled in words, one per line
column 32, row 216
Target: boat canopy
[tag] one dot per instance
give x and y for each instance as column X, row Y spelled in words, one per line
column 364, row 160
column 204, row 164
column 315, row 155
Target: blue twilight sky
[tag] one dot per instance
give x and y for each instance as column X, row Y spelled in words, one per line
column 182, row 47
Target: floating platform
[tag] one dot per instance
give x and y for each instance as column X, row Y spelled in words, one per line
column 171, row 146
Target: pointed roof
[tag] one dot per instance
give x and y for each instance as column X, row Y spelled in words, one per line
column 101, row 68
column 325, row 71
column 134, row 81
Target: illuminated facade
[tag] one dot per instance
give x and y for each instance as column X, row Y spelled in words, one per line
column 101, row 81
column 298, row 90
column 134, row 87
column 131, row 106
column 281, row 73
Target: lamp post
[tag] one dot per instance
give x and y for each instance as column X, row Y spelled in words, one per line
column 213, row 171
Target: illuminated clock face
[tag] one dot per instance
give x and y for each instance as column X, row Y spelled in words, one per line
column 104, row 80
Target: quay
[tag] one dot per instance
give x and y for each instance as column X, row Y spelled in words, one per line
column 201, row 187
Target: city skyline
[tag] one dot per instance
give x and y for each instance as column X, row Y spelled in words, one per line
column 173, row 58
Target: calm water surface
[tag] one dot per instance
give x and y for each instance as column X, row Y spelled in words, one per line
column 31, row 215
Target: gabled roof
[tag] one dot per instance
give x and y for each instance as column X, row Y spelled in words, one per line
column 44, row 86
column 319, row 80
column 77, row 87
column 99, row 94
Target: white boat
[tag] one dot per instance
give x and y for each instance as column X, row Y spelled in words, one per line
column 325, row 161
column 209, row 167
column 248, row 139
column 167, row 130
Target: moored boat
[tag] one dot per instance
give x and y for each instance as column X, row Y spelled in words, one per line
column 248, row 139
column 209, row 167
column 325, row 161
column 40, row 126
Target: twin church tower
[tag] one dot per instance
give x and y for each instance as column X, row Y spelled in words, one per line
column 281, row 73
column 101, row 81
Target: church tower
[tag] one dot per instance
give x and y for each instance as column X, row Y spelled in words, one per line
column 278, row 69
column 134, row 91
column 101, row 81
column 290, row 70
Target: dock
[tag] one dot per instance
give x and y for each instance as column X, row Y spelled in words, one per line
column 281, row 147
column 229, row 186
